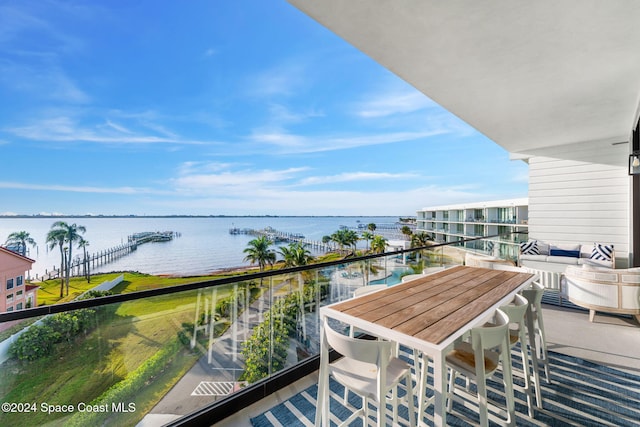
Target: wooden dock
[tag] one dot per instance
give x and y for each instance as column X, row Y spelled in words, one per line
column 79, row 265
column 283, row 237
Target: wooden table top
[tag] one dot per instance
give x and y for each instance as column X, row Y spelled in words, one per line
column 433, row 307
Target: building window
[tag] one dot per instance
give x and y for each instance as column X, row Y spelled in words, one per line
column 9, row 309
column 19, row 306
column 10, row 299
column 9, row 284
column 19, row 281
column 19, row 294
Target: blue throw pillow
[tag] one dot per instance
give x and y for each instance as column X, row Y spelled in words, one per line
column 568, row 251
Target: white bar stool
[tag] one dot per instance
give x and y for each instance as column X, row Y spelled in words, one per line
column 516, row 311
column 535, row 327
column 479, row 359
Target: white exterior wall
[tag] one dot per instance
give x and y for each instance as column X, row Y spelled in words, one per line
column 581, row 194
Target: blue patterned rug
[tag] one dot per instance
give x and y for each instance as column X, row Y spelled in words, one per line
column 582, row 393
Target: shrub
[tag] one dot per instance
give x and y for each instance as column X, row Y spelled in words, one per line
column 34, row 343
column 39, row 339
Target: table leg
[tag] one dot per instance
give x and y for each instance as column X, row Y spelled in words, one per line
column 322, row 404
column 422, row 385
column 440, row 389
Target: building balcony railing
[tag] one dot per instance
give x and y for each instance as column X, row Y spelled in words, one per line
column 196, row 351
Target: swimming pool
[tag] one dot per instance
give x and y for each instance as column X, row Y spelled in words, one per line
column 394, row 278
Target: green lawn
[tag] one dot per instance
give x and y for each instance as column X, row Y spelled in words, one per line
column 127, row 334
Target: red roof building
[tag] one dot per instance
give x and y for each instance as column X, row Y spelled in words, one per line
column 15, row 294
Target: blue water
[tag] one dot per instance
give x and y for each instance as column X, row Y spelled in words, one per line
column 393, row 279
column 204, row 245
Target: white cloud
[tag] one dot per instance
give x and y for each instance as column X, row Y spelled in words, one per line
column 267, row 201
column 281, row 114
column 42, row 81
column 117, row 127
column 391, row 103
column 78, row 189
column 67, row 129
column 356, row 176
column 215, row 179
column 284, row 79
column 291, row 143
column 210, row 52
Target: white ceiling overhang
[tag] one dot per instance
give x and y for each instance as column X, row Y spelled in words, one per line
column 527, row 74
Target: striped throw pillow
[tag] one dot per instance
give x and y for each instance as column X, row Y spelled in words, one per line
column 602, row 252
column 529, row 248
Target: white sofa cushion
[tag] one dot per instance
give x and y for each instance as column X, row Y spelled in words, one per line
column 533, row 257
column 571, row 260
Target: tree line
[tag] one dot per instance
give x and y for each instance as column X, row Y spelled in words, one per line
column 61, row 235
column 259, row 250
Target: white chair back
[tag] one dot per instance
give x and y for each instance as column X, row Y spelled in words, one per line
column 368, row 351
column 491, row 336
column 516, row 310
column 534, row 294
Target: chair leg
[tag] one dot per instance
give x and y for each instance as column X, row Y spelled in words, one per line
column 394, row 405
column 526, row 374
column 410, row 406
column 508, row 385
column 543, row 348
column 482, row 402
column 452, row 384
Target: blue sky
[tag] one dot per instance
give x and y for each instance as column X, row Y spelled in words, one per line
column 244, row 107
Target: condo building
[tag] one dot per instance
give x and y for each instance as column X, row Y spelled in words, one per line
column 500, row 218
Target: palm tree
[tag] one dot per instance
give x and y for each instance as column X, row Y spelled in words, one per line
column 20, row 239
column 345, row 237
column 326, row 240
column 367, row 236
column 258, row 252
column 71, row 233
column 296, row 254
column 55, row 237
column 82, row 243
column 372, row 227
column 340, row 238
column 378, row 244
column 352, row 238
column 421, row 239
column 406, row 230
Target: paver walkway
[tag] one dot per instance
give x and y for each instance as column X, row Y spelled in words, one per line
column 206, row 382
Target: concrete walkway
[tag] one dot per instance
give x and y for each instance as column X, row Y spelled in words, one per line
column 207, row 382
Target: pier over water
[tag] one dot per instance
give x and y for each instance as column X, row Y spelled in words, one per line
column 81, row 266
column 283, row 237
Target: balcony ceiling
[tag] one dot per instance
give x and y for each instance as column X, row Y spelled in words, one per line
column 527, row 74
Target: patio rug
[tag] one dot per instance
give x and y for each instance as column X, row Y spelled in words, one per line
column 581, row 393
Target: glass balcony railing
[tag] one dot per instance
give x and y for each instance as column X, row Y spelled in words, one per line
column 193, row 350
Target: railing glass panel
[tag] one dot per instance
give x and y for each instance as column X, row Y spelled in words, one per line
column 116, row 360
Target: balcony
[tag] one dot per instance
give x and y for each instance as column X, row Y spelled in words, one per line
column 223, row 351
